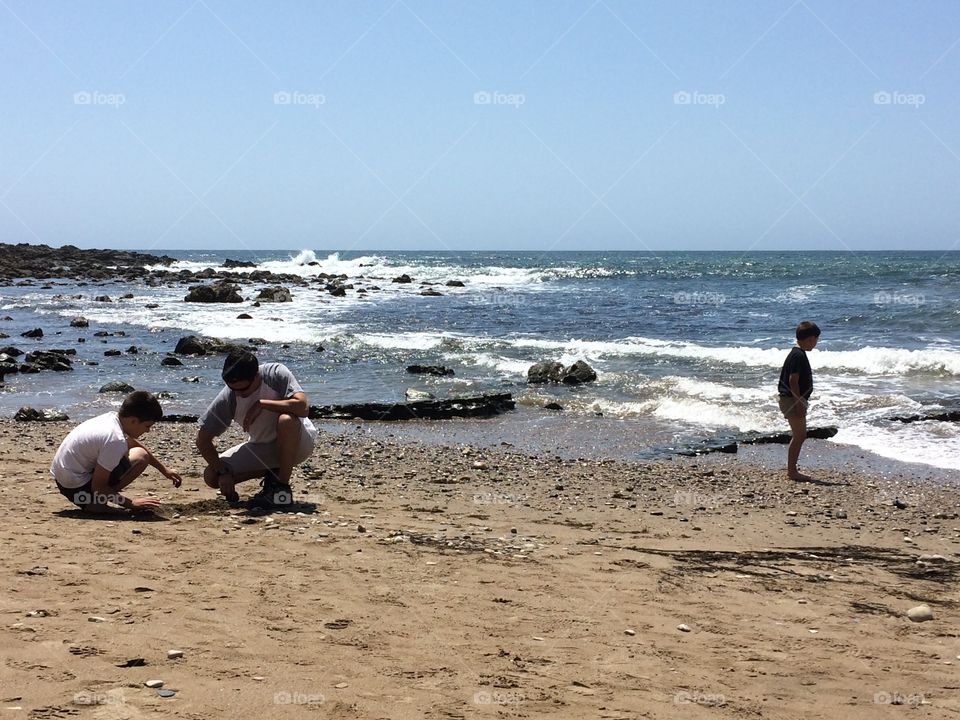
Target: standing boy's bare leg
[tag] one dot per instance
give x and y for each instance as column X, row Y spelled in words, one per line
column 798, row 430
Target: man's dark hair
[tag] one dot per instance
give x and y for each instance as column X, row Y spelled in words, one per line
column 240, row 365
column 142, row 405
column 807, row 329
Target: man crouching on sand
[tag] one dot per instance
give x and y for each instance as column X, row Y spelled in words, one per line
column 100, row 457
column 269, row 404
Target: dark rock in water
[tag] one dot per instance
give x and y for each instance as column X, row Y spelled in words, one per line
column 28, row 369
column 80, row 322
column 29, row 414
column 819, row 433
column 11, row 351
column 171, row 361
column 68, row 261
column 429, row 370
column 35, row 333
column 553, row 406
column 337, row 290
column 193, row 379
column 948, row 416
column 111, row 353
column 579, row 372
column 101, row 333
column 260, row 341
column 403, row 279
column 174, row 418
column 133, row 350
column 7, row 367
column 49, row 360
column 275, row 294
column 479, row 406
column 152, row 306
column 244, row 316
column 117, row 386
column 545, row 372
column 319, row 348
column 455, row 283
column 102, row 298
column 3, row 336
column 218, row 292
column 228, row 263
column 128, row 296
column 193, row 345
column 431, row 293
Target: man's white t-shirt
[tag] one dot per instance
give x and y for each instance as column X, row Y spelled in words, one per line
column 98, row 441
column 264, row 428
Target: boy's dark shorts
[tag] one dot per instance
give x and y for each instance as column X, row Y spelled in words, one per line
column 791, row 407
column 113, row 481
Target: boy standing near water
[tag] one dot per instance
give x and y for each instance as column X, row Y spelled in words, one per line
column 100, row 457
column 795, row 388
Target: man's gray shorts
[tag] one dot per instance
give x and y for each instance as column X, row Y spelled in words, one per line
column 256, row 458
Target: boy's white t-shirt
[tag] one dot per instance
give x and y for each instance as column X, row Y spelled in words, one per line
column 98, row 441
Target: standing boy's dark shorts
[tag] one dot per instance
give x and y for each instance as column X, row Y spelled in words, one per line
column 791, row 407
column 113, row 481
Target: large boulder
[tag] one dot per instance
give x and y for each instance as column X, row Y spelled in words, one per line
column 117, row 386
column 403, row 279
column 275, row 294
column 35, row 333
column 11, row 351
column 193, row 345
column 228, row 263
column 218, row 292
column 29, row 414
column 579, row 372
column 50, row 359
column 545, row 372
column 79, row 322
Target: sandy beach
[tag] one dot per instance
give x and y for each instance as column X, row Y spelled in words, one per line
column 426, row 581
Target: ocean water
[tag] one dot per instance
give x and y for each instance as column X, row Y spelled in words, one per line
column 687, row 345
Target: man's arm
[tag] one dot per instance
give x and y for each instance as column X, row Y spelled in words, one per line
column 295, row 405
column 208, row 450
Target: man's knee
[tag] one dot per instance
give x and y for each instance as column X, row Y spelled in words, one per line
column 288, row 423
column 211, row 478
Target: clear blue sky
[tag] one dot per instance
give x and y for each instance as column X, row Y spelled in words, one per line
column 436, row 124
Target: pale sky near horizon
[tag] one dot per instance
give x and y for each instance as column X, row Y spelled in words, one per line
column 442, row 125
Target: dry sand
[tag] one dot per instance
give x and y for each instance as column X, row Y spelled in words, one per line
column 448, row 582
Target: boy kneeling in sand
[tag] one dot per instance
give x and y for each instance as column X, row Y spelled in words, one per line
column 100, row 457
column 269, row 404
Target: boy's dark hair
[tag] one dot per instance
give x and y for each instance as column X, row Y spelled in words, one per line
column 240, row 365
column 807, row 329
column 142, row 405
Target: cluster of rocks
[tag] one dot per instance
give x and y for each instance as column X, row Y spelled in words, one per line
column 477, row 406
column 576, row 374
column 26, row 260
column 34, row 361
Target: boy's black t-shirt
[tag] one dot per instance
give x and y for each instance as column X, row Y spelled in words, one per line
column 796, row 362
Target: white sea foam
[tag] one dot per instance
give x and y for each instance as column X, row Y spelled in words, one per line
column 930, row 443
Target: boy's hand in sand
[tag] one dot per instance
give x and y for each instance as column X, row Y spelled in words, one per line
column 144, row 503
column 174, row 477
